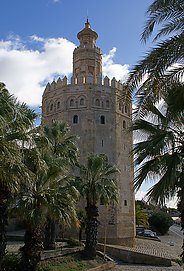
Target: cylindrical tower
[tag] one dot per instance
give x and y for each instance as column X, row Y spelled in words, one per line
column 87, row 58
column 99, row 114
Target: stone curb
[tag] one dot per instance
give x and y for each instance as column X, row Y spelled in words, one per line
column 147, row 238
column 103, row 267
column 48, row 254
column 134, row 257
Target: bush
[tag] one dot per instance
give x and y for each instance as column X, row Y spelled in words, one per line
column 74, row 242
column 141, row 216
column 160, row 222
column 179, row 261
column 11, row 262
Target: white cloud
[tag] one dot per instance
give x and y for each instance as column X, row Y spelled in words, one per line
column 24, row 69
column 120, row 72
column 36, row 38
column 141, row 195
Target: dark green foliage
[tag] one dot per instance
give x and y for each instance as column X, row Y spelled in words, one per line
column 141, row 216
column 160, row 222
column 64, row 153
column 74, row 242
column 157, row 81
column 81, row 216
column 49, row 196
column 97, row 181
column 15, row 121
column 11, row 262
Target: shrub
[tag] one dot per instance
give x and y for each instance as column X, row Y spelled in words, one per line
column 179, row 261
column 11, row 262
column 141, row 216
column 160, row 222
column 74, row 242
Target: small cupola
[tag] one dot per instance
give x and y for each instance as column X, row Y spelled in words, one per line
column 87, row 36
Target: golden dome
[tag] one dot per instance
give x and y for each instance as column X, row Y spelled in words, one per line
column 87, row 31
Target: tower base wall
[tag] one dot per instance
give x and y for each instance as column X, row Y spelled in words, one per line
column 127, row 242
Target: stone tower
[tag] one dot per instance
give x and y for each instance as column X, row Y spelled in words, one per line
column 99, row 113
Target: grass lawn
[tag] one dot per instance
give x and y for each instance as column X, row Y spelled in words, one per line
column 72, row 262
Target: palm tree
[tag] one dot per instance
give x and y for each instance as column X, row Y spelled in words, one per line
column 164, row 64
column 15, row 120
column 96, row 182
column 48, row 194
column 81, row 221
column 63, row 144
column 63, row 149
column 158, row 84
column 160, row 153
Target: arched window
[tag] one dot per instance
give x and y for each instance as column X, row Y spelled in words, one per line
column 125, row 109
column 97, row 102
column 119, row 106
column 75, row 119
column 124, row 124
column 71, row 102
column 129, row 110
column 82, row 101
column 102, row 202
column 58, row 105
column 102, row 119
column 47, row 109
column 107, row 104
column 51, row 107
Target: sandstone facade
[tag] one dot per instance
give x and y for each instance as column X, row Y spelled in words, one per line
column 99, row 113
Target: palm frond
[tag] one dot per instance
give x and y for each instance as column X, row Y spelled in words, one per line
column 158, row 60
column 160, row 11
column 176, row 25
column 97, row 180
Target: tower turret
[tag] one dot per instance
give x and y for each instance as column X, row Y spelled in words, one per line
column 87, row 57
column 87, row 37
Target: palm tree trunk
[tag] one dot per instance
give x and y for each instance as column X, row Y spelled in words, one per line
column 91, row 232
column 31, row 252
column 3, row 224
column 182, row 228
column 181, row 209
column 50, row 235
column 4, row 195
column 80, row 234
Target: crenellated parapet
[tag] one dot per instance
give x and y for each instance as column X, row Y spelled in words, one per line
column 82, row 80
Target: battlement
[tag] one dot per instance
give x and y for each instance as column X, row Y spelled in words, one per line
column 80, row 80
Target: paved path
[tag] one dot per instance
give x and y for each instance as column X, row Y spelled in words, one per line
column 170, row 246
column 14, row 246
column 129, row 267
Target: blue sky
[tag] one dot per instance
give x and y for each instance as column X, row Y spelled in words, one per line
column 37, row 39
column 119, row 23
